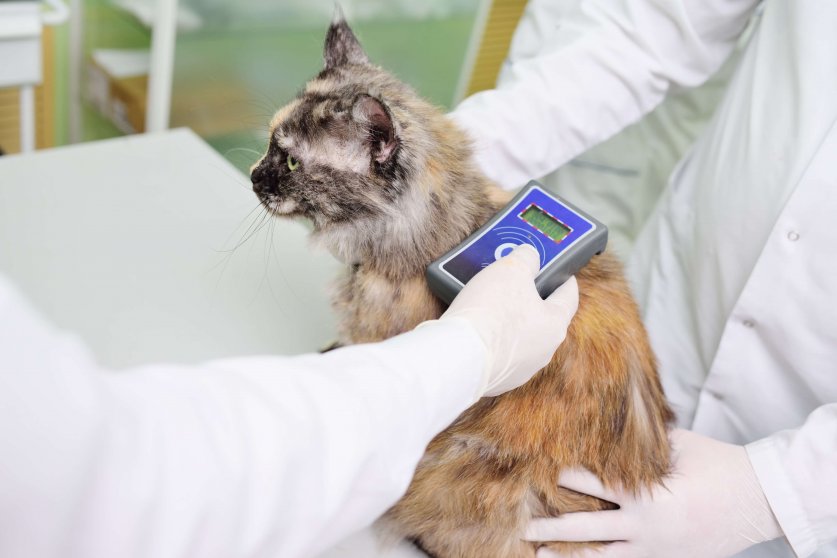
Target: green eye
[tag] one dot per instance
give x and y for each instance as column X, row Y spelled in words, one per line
column 293, row 164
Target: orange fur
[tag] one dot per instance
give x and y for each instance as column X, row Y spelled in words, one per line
column 496, row 467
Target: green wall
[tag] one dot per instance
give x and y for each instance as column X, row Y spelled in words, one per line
column 228, row 82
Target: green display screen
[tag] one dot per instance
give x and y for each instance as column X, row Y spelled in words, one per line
column 546, row 223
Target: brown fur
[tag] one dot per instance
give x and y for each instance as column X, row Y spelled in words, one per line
column 389, row 213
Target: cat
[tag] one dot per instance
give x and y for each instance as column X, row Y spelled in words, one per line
column 389, row 184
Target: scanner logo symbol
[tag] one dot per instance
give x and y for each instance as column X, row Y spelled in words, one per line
column 511, row 237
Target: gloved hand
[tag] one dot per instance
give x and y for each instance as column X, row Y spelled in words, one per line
column 711, row 506
column 520, row 330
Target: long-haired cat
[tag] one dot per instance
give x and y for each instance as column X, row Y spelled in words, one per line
column 389, row 185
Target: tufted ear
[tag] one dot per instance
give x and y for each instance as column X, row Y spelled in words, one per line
column 372, row 113
column 341, row 45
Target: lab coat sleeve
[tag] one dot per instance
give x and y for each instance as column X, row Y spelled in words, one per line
column 261, row 456
column 608, row 63
column 798, row 471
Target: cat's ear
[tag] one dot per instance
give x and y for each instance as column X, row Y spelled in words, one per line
column 341, row 45
column 374, row 116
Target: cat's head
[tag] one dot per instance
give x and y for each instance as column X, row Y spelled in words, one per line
column 342, row 151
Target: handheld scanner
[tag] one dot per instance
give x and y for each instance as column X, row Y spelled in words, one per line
column 564, row 236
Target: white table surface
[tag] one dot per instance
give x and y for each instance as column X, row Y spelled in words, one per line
column 127, row 241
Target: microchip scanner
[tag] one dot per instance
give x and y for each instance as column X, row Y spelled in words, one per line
column 564, row 236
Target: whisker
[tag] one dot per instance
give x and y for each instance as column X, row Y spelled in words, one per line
column 266, row 257
column 257, row 206
column 282, row 274
column 225, row 261
column 255, row 226
column 236, row 176
column 247, row 150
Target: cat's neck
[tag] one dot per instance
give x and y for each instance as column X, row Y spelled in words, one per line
column 437, row 212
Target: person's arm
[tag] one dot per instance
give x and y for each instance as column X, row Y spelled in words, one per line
column 230, row 458
column 608, row 64
column 250, row 456
column 797, row 470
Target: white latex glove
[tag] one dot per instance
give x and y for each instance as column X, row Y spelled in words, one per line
column 520, row 330
column 711, row 506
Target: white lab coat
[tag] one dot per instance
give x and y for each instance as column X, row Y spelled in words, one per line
column 734, row 263
column 269, row 456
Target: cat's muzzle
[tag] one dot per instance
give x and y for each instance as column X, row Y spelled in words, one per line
column 264, row 182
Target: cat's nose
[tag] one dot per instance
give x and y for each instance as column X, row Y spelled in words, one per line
column 261, row 179
column 257, row 175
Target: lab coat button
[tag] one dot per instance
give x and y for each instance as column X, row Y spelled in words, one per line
column 748, row 323
column 793, row 236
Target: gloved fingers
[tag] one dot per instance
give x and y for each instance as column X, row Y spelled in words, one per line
column 527, row 257
column 566, row 292
column 565, row 297
column 582, row 480
column 612, row 550
column 597, row 526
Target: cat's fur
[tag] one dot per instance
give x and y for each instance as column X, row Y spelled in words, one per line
column 389, row 184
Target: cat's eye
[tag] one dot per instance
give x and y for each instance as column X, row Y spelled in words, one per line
column 293, row 164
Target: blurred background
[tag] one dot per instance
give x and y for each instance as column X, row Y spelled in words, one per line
column 149, row 243
column 115, row 67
